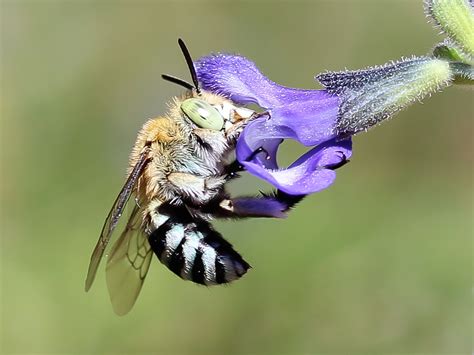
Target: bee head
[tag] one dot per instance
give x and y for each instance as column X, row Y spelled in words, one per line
column 204, row 109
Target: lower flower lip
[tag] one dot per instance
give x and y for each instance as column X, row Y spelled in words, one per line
column 291, row 185
column 312, row 172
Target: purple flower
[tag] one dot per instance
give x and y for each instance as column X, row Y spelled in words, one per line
column 307, row 116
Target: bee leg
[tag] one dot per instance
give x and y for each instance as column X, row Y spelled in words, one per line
column 273, row 205
column 233, row 132
column 196, row 190
column 276, row 204
column 233, row 168
column 208, row 142
column 231, row 171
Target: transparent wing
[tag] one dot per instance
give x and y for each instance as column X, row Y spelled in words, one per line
column 114, row 216
column 128, row 264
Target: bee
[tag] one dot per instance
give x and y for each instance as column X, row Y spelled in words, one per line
column 176, row 185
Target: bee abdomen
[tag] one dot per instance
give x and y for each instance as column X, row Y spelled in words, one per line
column 196, row 252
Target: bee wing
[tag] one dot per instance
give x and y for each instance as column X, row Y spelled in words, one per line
column 128, row 264
column 114, row 216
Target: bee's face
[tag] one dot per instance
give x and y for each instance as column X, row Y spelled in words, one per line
column 213, row 113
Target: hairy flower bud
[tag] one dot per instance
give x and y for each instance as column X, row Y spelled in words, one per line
column 456, row 19
column 373, row 95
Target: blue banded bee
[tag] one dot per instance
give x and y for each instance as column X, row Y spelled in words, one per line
column 179, row 167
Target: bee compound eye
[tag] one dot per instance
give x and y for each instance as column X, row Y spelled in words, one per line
column 202, row 114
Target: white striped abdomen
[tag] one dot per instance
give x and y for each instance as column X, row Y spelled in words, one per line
column 193, row 250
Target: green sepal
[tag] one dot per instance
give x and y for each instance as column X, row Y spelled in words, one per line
column 447, row 50
column 463, row 73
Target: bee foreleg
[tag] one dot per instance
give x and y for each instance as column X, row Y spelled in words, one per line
column 210, row 141
column 242, row 117
column 231, row 171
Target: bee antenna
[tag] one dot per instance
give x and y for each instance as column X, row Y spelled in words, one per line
column 189, row 61
column 178, row 81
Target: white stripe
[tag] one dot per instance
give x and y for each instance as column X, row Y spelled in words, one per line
column 209, row 260
column 230, row 274
column 189, row 252
column 173, row 238
column 158, row 220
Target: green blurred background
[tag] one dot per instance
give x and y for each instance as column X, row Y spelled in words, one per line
column 381, row 262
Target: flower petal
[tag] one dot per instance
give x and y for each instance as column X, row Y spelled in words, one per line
column 307, row 116
column 239, row 79
column 313, row 172
column 310, row 123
